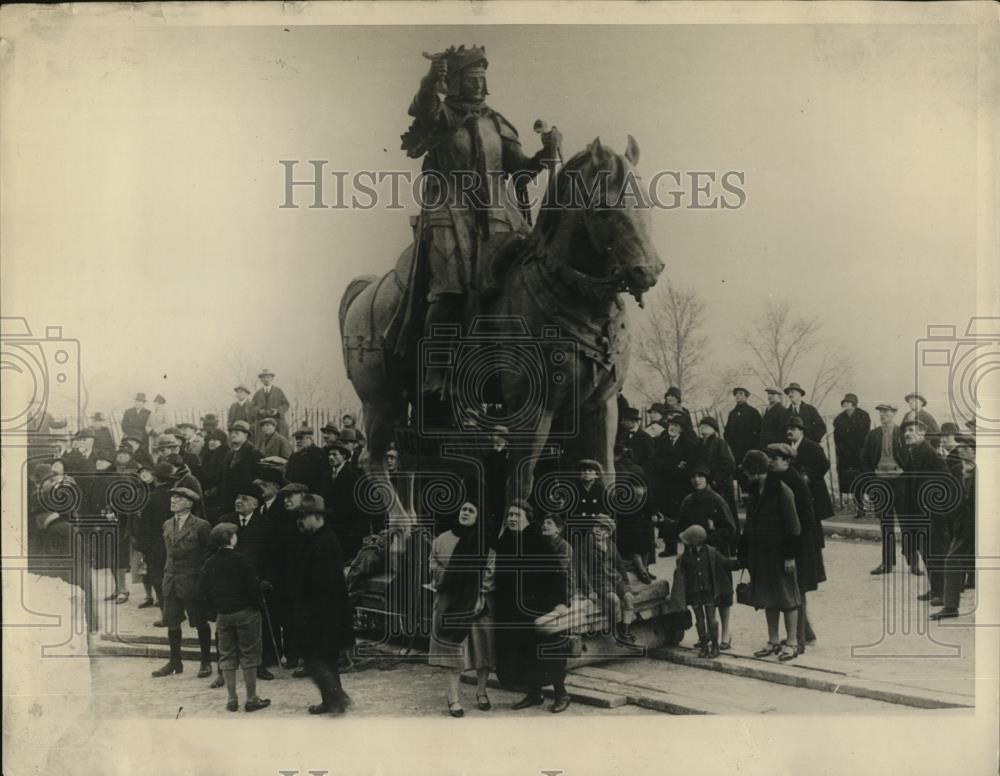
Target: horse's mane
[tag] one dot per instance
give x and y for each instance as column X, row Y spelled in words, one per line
column 562, row 192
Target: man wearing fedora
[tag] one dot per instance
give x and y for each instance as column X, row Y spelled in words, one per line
column 811, row 462
column 918, row 411
column 271, row 397
column 135, row 419
column 772, row 424
column 104, row 440
column 323, row 611
column 850, row 428
column 815, row 426
column 349, row 522
column 308, row 464
column 269, row 441
column 331, row 435
column 186, row 539
column 742, row 432
column 884, row 454
column 634, row 439
column 238, row 471
column 241, row 409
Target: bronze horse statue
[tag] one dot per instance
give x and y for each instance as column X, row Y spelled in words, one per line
column 550, row 335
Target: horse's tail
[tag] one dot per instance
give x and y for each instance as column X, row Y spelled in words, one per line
column 354, row 288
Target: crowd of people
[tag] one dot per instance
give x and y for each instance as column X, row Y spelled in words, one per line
column 251, row 530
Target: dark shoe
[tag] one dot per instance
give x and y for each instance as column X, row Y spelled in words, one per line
column 789, row 653
column 159, row 624
column 147, row 604
column 925, row 596
column 319, row 708
column 527, row 701
column 713, row 641
column 880, row 569
column 770, row 649
column 218, row 682
column 483, row 702
column 944, row 614
column 665, row 554
column 301, row 673
column 204, row 671
column 169, row 668
column 455, row 709
column 263, row 673
column 916, row 571
column 937, row 601
column 232, row 706
column 341, row 700
column 724, row 645
column 561, row 703
column 257, row 704
column 122, row 597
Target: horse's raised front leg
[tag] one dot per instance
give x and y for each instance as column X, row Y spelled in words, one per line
column 599, row 428
column 523, row 458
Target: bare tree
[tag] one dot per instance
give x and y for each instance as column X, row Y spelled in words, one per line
column 785, row 345
column 672, row 347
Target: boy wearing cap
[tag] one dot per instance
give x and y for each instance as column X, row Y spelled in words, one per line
column 241, row 409
column 230, row 587
column 186, row 540
column 607, row 580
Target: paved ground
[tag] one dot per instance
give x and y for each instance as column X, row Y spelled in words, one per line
column 848, row 615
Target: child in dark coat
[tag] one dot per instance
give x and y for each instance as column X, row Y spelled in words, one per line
column 701, row 581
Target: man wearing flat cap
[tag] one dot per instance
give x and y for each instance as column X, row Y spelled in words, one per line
column 308, row 464
column 269, row 441
column 241, row 409
column 742, row 432
column 135, row 419
column 850, row 428
column 325, row 617
column 186, row 539
column 811, row 462
column 884, row 454
column 634, row 439
column 239, row 469
column 772, row 424
column 927, row 526
column 814, row 425
column 271, row 397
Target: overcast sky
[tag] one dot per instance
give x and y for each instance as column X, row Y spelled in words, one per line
column 142, row 181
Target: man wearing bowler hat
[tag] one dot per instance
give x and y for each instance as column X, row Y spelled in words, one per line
column 239, row 468
column 134, row 420
column 884, row 455
column 918, row 411
column 633, row 438
column 271, row 397
column 815, row 427
column 241, row 409
column 308, row 464
column 772, row 425
column 186, row 538
column 850, row 428
column 325, row 618
column 268, row 440
column 742, row 432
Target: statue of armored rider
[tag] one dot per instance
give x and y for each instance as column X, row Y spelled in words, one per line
column 471, row 154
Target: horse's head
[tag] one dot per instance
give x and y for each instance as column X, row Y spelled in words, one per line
column 597, row 209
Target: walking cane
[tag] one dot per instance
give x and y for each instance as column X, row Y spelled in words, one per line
column 274, row 641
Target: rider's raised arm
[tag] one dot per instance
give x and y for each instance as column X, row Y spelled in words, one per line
column 514, row 158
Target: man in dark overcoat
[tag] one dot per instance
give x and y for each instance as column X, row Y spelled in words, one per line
column 850, row 428
column 239, row 468
column 772, row 424
column 742, row 431
column 815, row 426
column 928, row 526
column 241, row 409
column 104, row 439
column 496, row 468
column 347, row 519
column 135, row 419
column 633, row 438
column 186, row 539
column 884, row 454
column 271, row 397
column 308, row 464
column 812, row 463
column 324, row 614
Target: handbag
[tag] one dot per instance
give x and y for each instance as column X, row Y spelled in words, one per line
column 743, row 591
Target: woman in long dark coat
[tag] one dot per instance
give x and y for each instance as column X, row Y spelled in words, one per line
column 768, row 547
column 530, row 581
column 809, row 567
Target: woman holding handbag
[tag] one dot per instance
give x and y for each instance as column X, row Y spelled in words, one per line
column 767, row 549
column 461, row 569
